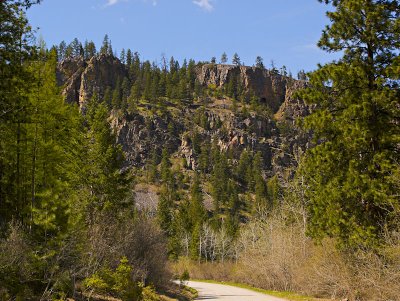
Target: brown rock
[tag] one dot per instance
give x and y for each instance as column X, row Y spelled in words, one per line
column 80, row 79
column 269, row 87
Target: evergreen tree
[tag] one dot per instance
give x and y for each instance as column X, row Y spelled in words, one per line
column 353, row 171
column 260, row 62
column 105, row 46
column 107, row 98
column 104, row 185
column 61, row 50
column 274, row 70
column 301, row 75
column 204, row 158
column 122, row 56
column 76, row 47
column 152, row 167
column 236, row 59
column 128, row 58
column 135, row 93
column 245, row 163
column 260, row 187
column 89, row 50
column 16, row 83
column 231, row 89
column 224, row 58
column 165, row 168
column 219, row 180
column 165, row 211
column 69, row 51
column 125, row 91
column 273, row 190
column 117, row 96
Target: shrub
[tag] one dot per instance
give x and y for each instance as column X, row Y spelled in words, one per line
column 119, row 283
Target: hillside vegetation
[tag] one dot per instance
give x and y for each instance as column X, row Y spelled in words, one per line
column 117, row 174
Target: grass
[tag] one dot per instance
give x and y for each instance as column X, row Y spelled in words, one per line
column 285, row 295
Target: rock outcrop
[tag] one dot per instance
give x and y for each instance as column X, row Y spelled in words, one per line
column 142, row 133
column 80, row 79
column 69, row 76
column 268, row 86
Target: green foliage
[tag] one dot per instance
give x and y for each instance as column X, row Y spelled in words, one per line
column 165, row 210
column 149, row 294
column 184, row 277
column 219, row 179
column 236, row 59
column 224, row 58
column 119, row 282
column 353, row 170
column 260, row 62
column 104, row 185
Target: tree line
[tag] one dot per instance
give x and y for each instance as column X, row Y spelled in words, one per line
column 60, row 184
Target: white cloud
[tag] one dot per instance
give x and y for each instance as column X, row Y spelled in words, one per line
column 204, row 4
column 111, row 2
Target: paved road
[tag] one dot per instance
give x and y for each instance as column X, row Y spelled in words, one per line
column 218, row 292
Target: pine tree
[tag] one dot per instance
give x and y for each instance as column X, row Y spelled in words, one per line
column 53, row 137
column 204, row 157
column 236, row 59
column 245, row 163
column 104, row 185
column 128, row 58
column 353, row 170
column 224, row 58
column 122, row 56
column 61, row 50
column 260, row 187
column 259, row 62
column 125, row 91
column 273, row 190
column 219, row 180
column 117, row 96
column 135, row 93
column 76, row 47
column 16, row 83
column 165, row 210
column 152, row 167
column 89, row 50
column 105, row 46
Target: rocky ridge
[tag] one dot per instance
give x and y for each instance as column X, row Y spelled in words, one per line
column 140, row 133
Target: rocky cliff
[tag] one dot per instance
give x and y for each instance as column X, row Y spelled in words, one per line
column 80, row 79
column 214, row 121
column 268, row 86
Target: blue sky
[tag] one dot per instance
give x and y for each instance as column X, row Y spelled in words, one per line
column 285, row 31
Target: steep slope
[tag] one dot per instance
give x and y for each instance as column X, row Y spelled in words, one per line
column 208, row 120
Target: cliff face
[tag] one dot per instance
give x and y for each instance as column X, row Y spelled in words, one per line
column 69, row 75
column 80, row 79
column 267, row 86
column 142, row 133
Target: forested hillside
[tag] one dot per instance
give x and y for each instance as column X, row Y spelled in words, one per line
column 118, row 174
